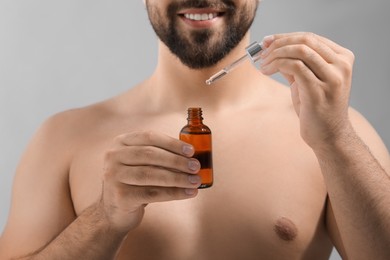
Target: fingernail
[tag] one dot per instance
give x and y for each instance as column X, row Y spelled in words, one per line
column 188, row 150
column 263, row 68
column 193, row 165
column 190, row 192
column 263, row 53
column 267, row 40
column 194, row 179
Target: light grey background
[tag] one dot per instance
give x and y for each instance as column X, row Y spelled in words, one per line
column 55, row 55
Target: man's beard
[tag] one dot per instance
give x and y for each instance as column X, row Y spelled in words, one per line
column 202, row 48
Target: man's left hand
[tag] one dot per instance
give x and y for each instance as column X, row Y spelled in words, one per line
column 319, row 72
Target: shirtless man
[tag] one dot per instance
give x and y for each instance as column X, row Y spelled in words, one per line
column 293, row 172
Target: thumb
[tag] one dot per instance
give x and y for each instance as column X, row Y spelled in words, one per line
column 295, row 97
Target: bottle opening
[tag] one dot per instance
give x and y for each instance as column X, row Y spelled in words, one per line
column 195, row 113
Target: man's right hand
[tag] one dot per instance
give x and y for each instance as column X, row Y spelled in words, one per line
column 142, row 168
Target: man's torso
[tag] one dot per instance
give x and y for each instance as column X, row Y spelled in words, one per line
column 267, row 202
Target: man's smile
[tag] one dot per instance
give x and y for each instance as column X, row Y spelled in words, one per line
column 200, row 18
column 201, row 33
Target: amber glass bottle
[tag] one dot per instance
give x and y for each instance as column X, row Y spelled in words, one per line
column 199, row 135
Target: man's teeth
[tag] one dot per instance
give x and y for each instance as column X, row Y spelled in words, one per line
column 200, row 17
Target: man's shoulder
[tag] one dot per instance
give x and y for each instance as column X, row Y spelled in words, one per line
column 76, row 123
column 88, row 120
column 78, row 118
column 93, row 114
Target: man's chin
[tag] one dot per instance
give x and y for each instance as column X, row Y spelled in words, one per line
column 197, row 63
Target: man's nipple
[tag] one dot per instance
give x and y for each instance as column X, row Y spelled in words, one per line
column 285, row 229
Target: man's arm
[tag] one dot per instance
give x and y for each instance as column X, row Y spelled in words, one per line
column 42, row 223
column 320, row 73
column 358, row 186
column 88, row 237
column 140, row 168
column 41, row 202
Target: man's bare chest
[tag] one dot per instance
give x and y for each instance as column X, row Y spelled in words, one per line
column 264, row 196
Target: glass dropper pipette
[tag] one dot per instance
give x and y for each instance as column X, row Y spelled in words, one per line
column 252, row 53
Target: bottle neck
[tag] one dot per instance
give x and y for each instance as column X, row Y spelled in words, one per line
column 195, row 116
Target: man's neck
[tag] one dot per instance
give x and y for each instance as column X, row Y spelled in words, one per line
column 176, row 87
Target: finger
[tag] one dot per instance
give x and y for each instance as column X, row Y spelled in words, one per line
column 315, row 42
column 294, row 69
column 310, row 57
column 325, row 47
column 150, row 138
column 334, row 46
column 290, row 79
column 157, row 176
column 150, row 194
column 154, row 156
column 301, row 74
column 295, row 98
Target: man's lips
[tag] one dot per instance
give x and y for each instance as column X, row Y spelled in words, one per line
column 200, row 18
